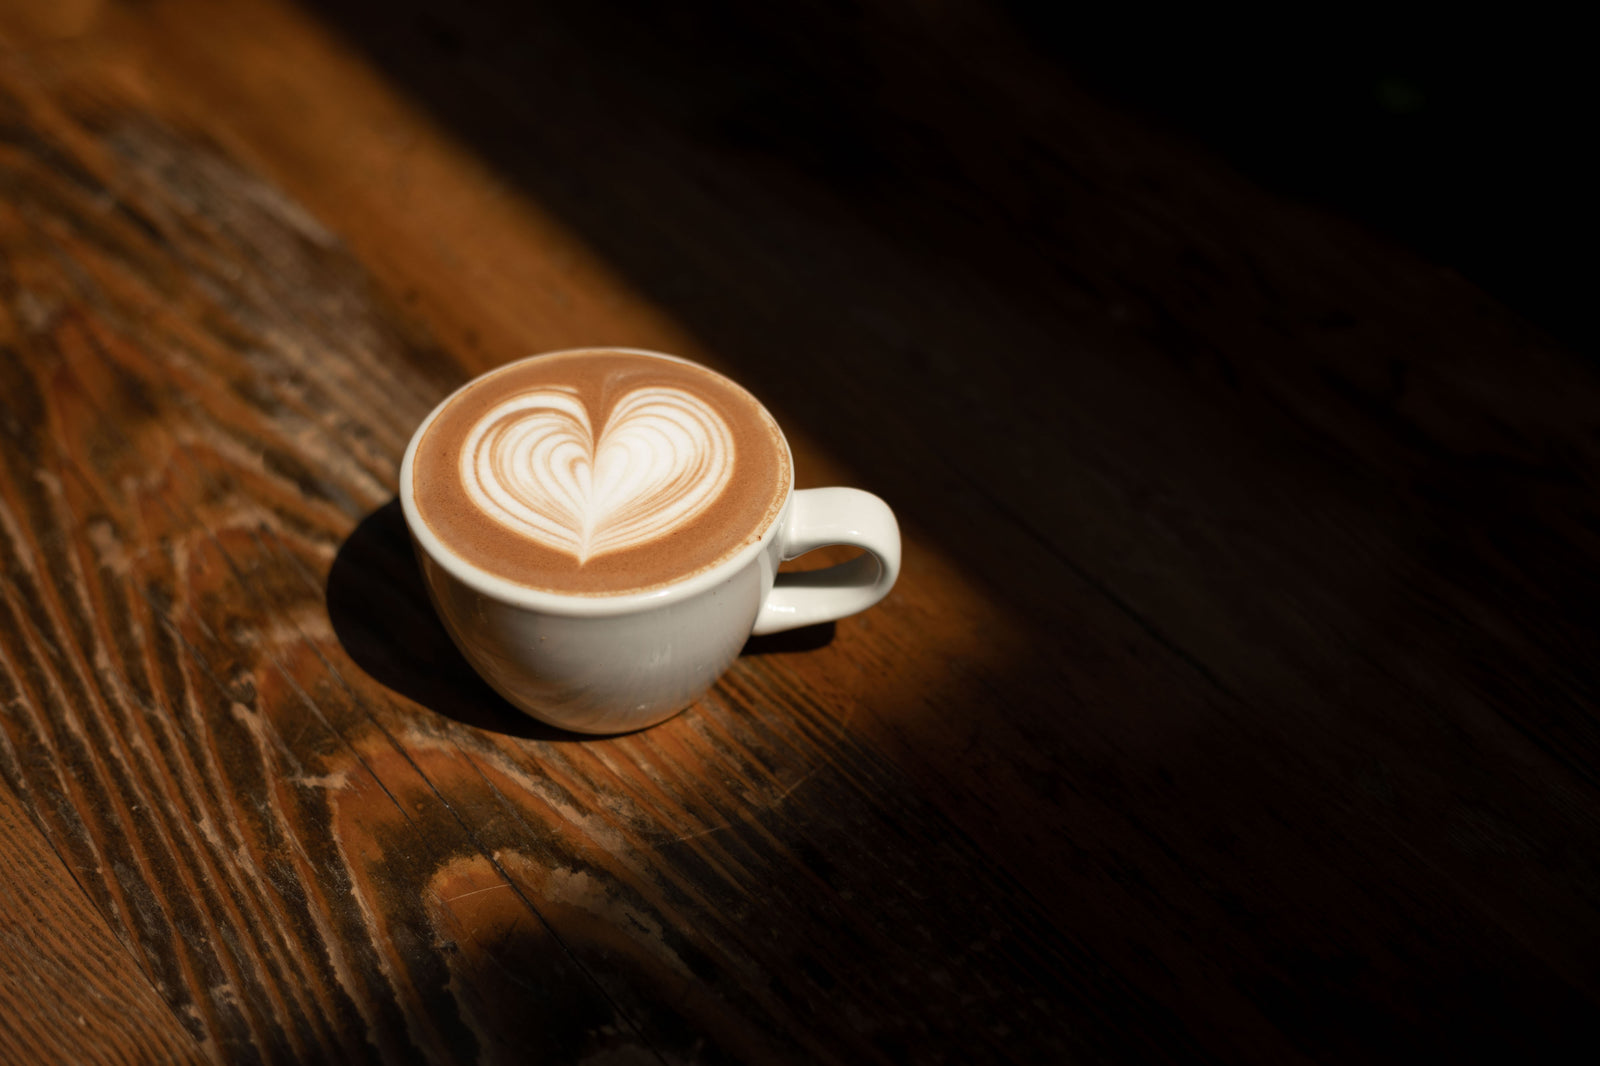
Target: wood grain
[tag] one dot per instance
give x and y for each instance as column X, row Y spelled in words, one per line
column 70, row 989
column 1236, row 702
column 281, row 841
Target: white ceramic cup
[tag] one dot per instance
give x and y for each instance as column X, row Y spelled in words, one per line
column 610, row 664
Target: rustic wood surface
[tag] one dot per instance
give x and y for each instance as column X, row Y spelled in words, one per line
column 1237, row 701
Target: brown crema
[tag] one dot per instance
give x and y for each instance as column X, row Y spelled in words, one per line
column 737, row 517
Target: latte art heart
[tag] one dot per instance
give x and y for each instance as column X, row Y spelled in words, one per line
column 533, row 464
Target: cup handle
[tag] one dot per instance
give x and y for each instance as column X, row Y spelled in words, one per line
column 819, row 517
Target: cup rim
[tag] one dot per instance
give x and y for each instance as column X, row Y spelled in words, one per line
column 572, row 604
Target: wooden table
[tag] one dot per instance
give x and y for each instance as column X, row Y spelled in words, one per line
column 1237, row 701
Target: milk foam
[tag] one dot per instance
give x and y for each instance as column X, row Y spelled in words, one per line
column 533, row 464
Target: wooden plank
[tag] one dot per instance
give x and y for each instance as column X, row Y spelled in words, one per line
column 1236, row 703
column 71, row 992
column 203, row 396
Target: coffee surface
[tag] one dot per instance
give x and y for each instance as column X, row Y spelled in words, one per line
column 600, row 472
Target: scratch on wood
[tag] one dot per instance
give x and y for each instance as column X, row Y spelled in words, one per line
column 476, row 892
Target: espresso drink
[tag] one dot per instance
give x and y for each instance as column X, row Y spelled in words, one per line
column 600, row 472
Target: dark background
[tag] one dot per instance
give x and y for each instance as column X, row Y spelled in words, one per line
column 1461, row 135
column 1458, row 131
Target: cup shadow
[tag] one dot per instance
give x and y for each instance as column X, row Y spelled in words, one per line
column 807, row 638
column 381, row 615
